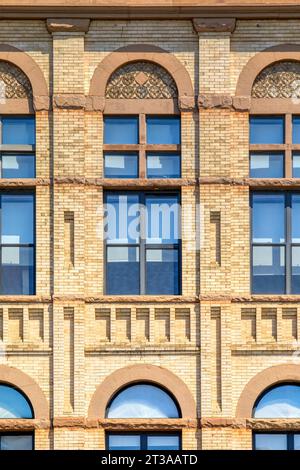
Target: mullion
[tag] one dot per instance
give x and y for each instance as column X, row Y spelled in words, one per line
column 288, row 253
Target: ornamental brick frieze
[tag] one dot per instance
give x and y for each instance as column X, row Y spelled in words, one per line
column 279, row 80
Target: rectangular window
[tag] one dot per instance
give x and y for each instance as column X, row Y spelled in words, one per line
column 267, row 130
column 143, row 441
column 142, row 147
column 276, row 441
column 16, row 441
column 17, row 147
column 17, row 272
column 275, row 243
column 296, row 129
column 142, row 243
column 266, row 165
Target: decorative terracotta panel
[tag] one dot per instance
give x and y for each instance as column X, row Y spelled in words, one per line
column 279, row 80
column 13, row 82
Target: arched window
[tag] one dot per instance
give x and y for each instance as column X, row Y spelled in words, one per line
column 14, row 405
column 281, row 401
column 275, row 153
column 143, row 401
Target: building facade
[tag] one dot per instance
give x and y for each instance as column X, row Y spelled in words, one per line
column 150, row 225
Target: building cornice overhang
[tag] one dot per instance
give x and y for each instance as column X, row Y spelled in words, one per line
column 140, row 9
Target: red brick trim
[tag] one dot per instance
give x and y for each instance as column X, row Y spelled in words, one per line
column 260, row 382
column 29, row 387
column 116, row 59
column 140, row 373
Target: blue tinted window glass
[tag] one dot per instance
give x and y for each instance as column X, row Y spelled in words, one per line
column 266, row 165
column 121, row 130
column 268, row 218
column 17, row 214
column 163, row 165
column 18, row 130
column 121, row 222
column 17, row 271
column 296, row 218
column 266, row 130
column 16, row 442
column 282, row 401
column 296, row 129
column 163, row 213
column 270, row 441
column 122, row 270
column 162, row 272
column 18, row 166
column 295, row 270
column 163, row 442
column 13, row 404
column 163, row 130
column 296, row 165
column 142, row 401
column 121, row 165
column 124, row 442
column 268, row 271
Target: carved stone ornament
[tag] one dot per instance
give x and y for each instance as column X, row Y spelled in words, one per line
column 141, row 80
column 279, row 80
column 13, row 82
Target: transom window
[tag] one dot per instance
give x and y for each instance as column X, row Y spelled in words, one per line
column 282, row 401
column 142, row 146
column 17, row 247
column 142, row 243
column 275, row 242
column 17, row 147
column 143, row 401
column 143, row 441
column 275, row 146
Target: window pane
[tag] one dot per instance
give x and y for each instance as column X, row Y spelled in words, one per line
column 17, row 212
column 296, row 270
column 282, row 401
column 18, row 131
column 163, row 165
column 268, row 218
column 163, row 130
column 122, row 270
column 163, row 443
column 18, row 166
column 124, row 442
column 266, row 130
column 296, row 165
column 163, row 213
column 13, row 404
column 270, row 442
column 17, row 271
column 121, row 130
column 162, row 272
column 266, row 165
column 121, row 165
column 142, row 401
column 122, row 222
column 296, row 129
column 16, row 442
column 296, row 218
column 268, row 270
column 296, row 441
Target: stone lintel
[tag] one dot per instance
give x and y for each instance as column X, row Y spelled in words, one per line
column 68, row 25
column 223, row 101
column 214, row 25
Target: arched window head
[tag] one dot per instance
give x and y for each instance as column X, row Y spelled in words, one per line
column 13, row 82
column 278, row 80
column 143, row 401
column 13, row 404
column 141, row 80
column 282, row 401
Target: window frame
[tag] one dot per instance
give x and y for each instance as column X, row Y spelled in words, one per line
column 143, row 435
column 287, row 244
column 18, row 192
column 287, row 148
column 15, row 149
column 142, row 245
column 142, row 148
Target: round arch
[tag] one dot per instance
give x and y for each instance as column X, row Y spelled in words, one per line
column 260, row 61
column 142, row 373
column 36, row 397
column 142, row 52
column 261, row 382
